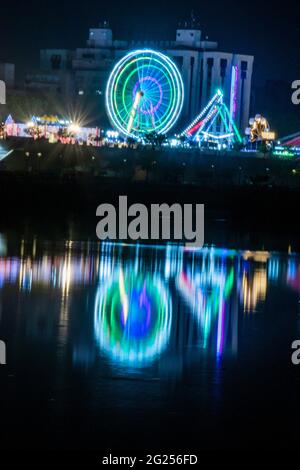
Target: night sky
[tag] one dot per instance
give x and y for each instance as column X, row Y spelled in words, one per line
column 271, row 34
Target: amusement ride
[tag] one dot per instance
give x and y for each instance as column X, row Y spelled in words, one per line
column 214, row 123
column 144, row 100
column 145, row 95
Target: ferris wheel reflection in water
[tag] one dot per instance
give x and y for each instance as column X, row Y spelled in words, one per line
column 152, row 303
column 134, row 318
column 133, row 315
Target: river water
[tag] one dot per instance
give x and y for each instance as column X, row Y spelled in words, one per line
column 141, row 347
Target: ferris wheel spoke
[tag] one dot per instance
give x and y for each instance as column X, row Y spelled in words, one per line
column 154, row 98
column 149, row 65
column 123, row 111
column 138, row 71
column 158, row 72
column 144, row 71
column 165, row 104
column 148, row 106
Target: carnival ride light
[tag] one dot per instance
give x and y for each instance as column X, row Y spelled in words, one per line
column 74, row 128
column 214, row 122
column 112, row 134
column 206, row 294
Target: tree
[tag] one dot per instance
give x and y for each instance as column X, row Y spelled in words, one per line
column 130, row 141
column 183, row 139
column 160, row 139
column 151, row 138
column 263, row 148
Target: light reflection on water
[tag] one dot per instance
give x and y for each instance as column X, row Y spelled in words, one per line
column 133, row 316
column 112, row 346
column 132, row 305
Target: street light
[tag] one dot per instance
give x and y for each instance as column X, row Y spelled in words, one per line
column 74, row 128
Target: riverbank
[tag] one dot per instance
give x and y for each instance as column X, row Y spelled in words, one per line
column 51, row 188
column 163, row 165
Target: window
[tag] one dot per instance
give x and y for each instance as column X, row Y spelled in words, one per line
column 223, row 65
column 210, row 63
column 244, row 67
column 55, row 62
column 87, row 55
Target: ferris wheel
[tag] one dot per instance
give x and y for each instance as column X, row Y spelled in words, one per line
column 144, row 93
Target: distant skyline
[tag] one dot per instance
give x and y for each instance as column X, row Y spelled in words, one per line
column 272, row 35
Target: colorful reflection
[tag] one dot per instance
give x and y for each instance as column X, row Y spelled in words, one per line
column 293, row 274
column 133, row 317
column 206, row 292
column 134, row 305
column 254, row 288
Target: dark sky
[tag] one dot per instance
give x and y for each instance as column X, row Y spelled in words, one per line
column 271, row 33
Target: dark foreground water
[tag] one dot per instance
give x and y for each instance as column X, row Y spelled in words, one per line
column 114, row 347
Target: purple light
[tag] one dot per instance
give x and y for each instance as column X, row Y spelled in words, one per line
column 153, row 109
column 234, row 90
column 221, row 321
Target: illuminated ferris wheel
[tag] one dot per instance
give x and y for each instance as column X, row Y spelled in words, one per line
column 144, row 93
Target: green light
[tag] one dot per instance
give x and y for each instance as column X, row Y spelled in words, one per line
column 132, row 317
column 233, row 124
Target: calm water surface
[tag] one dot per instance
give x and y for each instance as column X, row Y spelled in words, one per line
column 132, row 347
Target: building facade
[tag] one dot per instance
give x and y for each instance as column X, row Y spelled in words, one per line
column 7, row 74
column 203, row 67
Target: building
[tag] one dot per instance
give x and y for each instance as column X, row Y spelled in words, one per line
column 7, row 74
column 273, row 100
column 203, row 67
